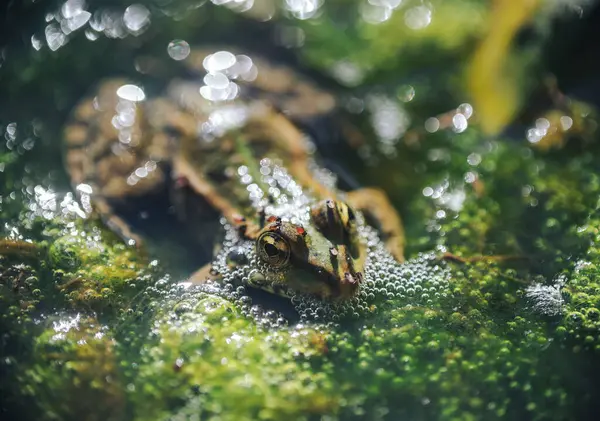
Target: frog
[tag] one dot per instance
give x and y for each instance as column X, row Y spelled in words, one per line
column 229, row 139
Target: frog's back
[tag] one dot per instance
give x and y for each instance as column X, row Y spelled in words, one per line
column 117, row 146
column 120, row 145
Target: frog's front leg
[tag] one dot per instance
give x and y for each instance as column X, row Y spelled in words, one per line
column 375, row 204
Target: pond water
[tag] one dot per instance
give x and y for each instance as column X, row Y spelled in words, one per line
column 447, row 107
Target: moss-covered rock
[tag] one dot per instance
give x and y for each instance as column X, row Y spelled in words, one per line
column 72, row 372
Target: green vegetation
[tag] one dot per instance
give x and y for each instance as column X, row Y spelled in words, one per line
column 92, row 330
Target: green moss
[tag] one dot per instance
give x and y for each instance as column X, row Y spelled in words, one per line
column 580, row 324
column 72, row 370
column 231, row 368
column 475, row 351
column 90, row 333
column 20, row 292
column 377, row 47
column 202, row 354
column 103, row 275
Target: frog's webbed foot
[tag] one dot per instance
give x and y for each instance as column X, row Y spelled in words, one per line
column 375, row 204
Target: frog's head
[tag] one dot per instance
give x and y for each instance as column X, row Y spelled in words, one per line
column 324, row 257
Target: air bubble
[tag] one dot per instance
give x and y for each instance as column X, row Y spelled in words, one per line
column 406, row 93
column 178, row 49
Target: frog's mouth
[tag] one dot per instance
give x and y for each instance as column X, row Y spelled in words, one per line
column 335, row 271
column 276, row 289
column 312, row 280
column 326, row 275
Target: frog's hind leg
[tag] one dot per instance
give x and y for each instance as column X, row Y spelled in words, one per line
column 375, row 204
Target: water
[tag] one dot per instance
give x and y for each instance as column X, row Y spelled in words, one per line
column 93, row 329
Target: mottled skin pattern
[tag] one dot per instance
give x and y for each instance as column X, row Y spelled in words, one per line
column 257, row 174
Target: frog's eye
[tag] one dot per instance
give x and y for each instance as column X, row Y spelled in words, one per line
column 273, row 249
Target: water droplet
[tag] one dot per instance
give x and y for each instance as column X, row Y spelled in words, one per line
column 460, row 123
column 465, row 109
column 131, row 93
column 347, row 72
column 388, row 118
column 136, row 17
column 97, row 22
column 150, row 165
column 213, row 94
column 470, row 177
column 78, row 20
column 542, row 124
column 126, row 118
column 418, row 17
column 141, row 172
column 84, row 188
column 303, row 9
column 566, row 122
column 91, row 34
column 232, row 91
column 243, row 65
column 219, row 61
column 36, row 42
column 375, row 14
column 474, row 159
column 178, row 49
column 216, row 80
column 54, row 37
column 534, row 135
column 250, row 75
column 72, row 8
column 432, row 125
column 406, row 93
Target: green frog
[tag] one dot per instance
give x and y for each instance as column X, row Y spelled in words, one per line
column 226, row 137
